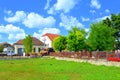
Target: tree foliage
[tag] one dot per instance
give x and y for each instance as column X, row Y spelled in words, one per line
column 1, row 48
column 114, row 22
column 76, row 39
column 59, row 43
column 101, row 37
column 28, row 44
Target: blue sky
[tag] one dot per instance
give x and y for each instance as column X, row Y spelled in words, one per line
column 19, row 18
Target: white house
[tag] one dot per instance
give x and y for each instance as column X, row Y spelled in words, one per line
column 8, row 48
column 48, row 38
column 19, row 47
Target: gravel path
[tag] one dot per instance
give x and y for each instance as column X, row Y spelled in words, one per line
column 92, row 61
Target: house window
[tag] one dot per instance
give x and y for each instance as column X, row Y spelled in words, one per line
column 34, row 49
column 39, row 49
column 8, row 51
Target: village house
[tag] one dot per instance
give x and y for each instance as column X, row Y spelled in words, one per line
column 8, row 48
column 19, row 47
column 47, row 39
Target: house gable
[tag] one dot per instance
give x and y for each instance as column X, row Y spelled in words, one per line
column 48, row 39
column 19, row 47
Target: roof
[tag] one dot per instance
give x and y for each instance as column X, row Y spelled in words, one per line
column 51, row 36
column 5, row 44
column 35, row 41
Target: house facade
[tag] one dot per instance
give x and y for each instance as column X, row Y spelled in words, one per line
column 48, row 38
column 19, row 47
column 8, row 48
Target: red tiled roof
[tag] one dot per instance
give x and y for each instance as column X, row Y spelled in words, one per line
column 35, row 41
column 51, row 36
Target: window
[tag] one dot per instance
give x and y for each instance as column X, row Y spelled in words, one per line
column 34, row 50
column 39, row 49
column 8, row 51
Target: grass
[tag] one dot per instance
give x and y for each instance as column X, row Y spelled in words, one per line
column 51, row 69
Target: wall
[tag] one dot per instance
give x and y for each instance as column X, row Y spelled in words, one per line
column 21, row 46
column 46, row 40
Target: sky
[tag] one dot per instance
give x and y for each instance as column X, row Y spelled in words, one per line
column 18, row 18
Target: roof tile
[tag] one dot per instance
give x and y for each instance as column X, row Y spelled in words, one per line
column 51, row 36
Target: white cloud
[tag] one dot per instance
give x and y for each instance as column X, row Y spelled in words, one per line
column 46, row 30
column 92, row 11
column 51, row 11
column 34, row 20
column 31, row 20
column 95, row 4
column 102, row 18
column 47, row 4
column 37, row 35
column 107, row 11
column 87, row 29
column 63, row 5
column 12, row 31
column 50, row 30
column 68, row 21
column 84, row 19
column 18, row 17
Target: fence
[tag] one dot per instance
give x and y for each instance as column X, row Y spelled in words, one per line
column 84, row 54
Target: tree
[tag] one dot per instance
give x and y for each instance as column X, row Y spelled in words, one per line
column 76, row 39
column 114, row 22
column 28, row 44
column 101, row 37
column 1, row 48
column 59, row 43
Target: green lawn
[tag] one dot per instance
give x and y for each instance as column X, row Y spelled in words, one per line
column 51, row 69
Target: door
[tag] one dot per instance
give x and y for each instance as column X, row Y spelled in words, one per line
column 20, row 51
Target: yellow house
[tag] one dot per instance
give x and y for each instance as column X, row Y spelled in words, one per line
column 19, row 47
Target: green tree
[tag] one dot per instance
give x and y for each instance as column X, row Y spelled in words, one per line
column 101, row 37
column 1, row 48
column 59, row 43
column 76, row 39
column 28, row 44
column 114, row 22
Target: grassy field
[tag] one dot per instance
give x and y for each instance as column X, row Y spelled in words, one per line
column 51, row 69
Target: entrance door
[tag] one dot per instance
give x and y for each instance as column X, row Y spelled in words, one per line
column 20, row 51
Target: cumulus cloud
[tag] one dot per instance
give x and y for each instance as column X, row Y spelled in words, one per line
column 18, row 17
column 102, row 18
column 68, row 21
column 84, row 19
column 12, row 31
column 95, row 4
column 47, row 4
column 46, row 30
column 107, row 11
column 31, row 20
column 34, row 20
column 63, row 5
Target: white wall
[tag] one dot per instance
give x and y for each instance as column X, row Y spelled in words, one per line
column 16, row 48
column 9, row 50
column 46, row 40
